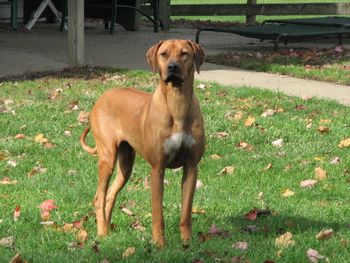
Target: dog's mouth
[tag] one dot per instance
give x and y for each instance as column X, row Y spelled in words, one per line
column 174, row 79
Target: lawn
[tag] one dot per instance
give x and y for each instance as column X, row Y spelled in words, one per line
column 261, row 147
column 331, row 64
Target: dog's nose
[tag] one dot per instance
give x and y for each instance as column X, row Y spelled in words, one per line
column 173, row 67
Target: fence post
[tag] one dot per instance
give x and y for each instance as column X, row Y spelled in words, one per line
column 76, row 32
column 164, row 13
column 250, row 19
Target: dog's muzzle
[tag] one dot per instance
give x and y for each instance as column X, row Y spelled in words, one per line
column 174, row 74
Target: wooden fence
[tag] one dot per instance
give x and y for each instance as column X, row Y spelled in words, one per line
column 252, row 9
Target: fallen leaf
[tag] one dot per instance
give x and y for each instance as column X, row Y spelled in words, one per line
column 249, row 121
column 324, row 234
column 268, row 113
column 127, row 211
column 336, row 160
column 201, row 86
column 250, row 229
column 128, row 252
column 308, row 183
column 222, row 134
column 83, row 117
column 323, row 129
column 68, row 227
column 288, row 193
column 227, row 170
column 215, row 156
column 203, row 237
column 39, row 138
column 238, row 116
column 240, row 246
column 285, row 240
column 278, row 143
column 313, row 255
column 36, row 170
column 198, row 210
column 75, row 245
column 20, row 136
column 268, row 167
column 67, row 133
column 82, row 235
column 17, row 259
column 48, row 145
column 199, row 184
column 215, row 231
column 245, row 145
column 17, row 213
column 7, row 241
column 48, row 205
column 138, row 226
column 6, row 180
column 252, row 214
column 320, row 174
column 344, row 143
column 300, row 107
column 12, row 163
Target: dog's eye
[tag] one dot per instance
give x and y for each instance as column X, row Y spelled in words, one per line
column 184, row 53
column 164, row 54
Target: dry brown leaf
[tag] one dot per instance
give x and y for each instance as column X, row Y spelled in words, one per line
column 287, row 193
column 127, row 211
column 7, row 241
column 36, row 170
column 308, row 183
column 83, row 117
column 20, row 136
column 268, row 113
column 323, row 129
column 285, row 240
column 324, row 234
column 249, row 121
column 238, row 116
column 222, row 134
column 245, row 145
column 278, row 143
column 313, row 255
column 344, row 143
column 325, row 121
column 82, row 235
column 227, row 170
column 216, row 156
column 198, row 210
column 138, row 226
column 6, row 180
column 268, row 167
column 320, row 174
column 128, row 252
column 240, row 246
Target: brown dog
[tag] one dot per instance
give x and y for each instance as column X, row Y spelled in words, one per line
column 166, row 128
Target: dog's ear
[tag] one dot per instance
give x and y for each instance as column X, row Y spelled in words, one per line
column 152, row 56
column 198, row 54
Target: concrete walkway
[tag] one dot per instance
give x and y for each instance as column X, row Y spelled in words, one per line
column 45, row 48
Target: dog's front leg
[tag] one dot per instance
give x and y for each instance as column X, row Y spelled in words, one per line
column 189, row 180
column 157, row 190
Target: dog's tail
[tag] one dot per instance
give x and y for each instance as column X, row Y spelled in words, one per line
column 83, row 143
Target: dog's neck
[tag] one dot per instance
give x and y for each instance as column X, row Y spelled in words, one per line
column 178, row 99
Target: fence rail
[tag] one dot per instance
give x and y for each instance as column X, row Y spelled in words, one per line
column 252, row 9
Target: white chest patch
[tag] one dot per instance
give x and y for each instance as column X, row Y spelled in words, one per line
column 174, row 142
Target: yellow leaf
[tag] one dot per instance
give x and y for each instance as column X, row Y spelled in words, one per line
column 288, row 193
column 344, row 143
column 249, row 121
column 320, row 174
column 40, row 138
column 285, row 240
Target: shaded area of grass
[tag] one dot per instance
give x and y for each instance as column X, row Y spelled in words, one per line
column 330, row 65
column 30, row 107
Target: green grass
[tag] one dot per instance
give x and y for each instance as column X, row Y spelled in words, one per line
column 224, row 199
column 325, row 65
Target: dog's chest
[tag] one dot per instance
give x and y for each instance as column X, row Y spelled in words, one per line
column 173, row 144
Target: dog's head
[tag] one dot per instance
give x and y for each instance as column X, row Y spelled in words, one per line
column 175, row 59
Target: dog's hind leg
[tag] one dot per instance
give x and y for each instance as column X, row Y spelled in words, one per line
column 106, row 163
column 126, row 157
